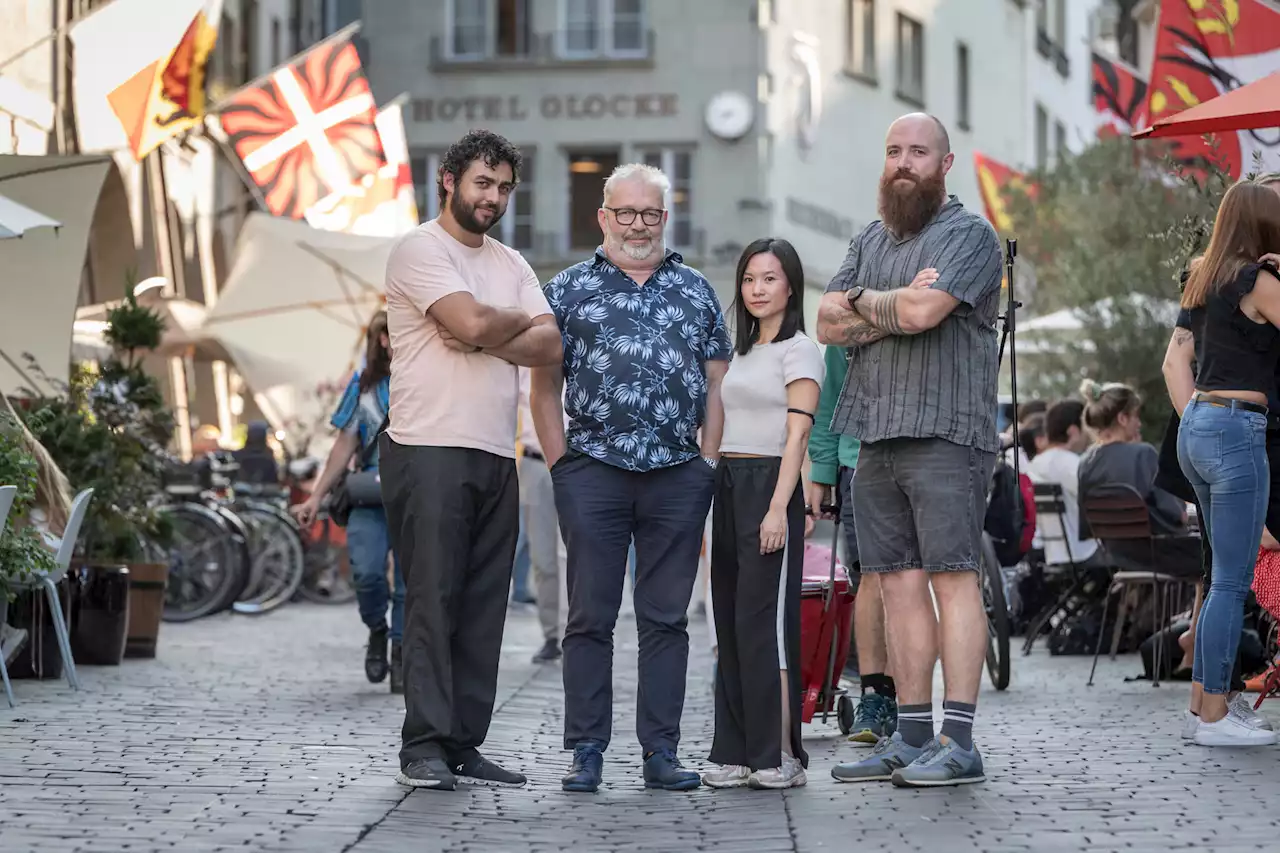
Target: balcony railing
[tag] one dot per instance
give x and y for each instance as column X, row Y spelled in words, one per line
column 544, row 50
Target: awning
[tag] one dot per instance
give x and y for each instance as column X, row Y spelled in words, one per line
column 17, row 219
column 1251, row 107
column 40, row 274
column 184, row 333
column 293, row 315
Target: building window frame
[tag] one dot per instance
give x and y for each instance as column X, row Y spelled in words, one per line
column 1041, row 136
column 521, row 205
column 603, row 27
column 860, row 40
column 424, row 164
column 1060, row 149
column 912, row 91
column 964, row 101
column 676, row 162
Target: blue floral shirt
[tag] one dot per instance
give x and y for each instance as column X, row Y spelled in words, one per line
column 635, row 381
column 363, row 414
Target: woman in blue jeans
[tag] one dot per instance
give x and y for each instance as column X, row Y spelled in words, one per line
column 1233, row 298
column 359, row 417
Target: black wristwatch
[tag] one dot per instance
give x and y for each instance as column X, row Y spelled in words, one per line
column 854, row 293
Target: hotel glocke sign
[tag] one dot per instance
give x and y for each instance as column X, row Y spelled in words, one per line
column 553, row 107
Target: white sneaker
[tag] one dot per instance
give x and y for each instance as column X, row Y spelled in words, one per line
column 728, row 776
column 789, row 775
column 1232, row 731
column 1189, row 726
column 1243, row 709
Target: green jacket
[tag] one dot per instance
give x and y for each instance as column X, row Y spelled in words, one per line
column 828, row 451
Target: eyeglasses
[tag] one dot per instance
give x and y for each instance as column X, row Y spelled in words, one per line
column 626, row 216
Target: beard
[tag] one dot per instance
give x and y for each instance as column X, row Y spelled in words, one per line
column 907, row 210
column 465, row 214
column 634, row 252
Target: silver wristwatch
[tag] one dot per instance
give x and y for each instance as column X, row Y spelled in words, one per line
column 712, row 463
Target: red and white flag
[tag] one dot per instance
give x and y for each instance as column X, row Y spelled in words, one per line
column 307, row 129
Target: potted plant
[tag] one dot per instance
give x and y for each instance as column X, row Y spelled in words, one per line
column 108, row 433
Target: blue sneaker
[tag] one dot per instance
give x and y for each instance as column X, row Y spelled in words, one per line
column 876, row 718
column 891, row 754
column 663, row 769
column 942, row 763
column 588, row 766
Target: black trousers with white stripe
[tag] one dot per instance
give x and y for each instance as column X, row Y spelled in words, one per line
column 756, row 601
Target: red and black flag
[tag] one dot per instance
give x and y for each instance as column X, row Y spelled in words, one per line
column 1205, row 48
column 307, row 129
column 1119, row 97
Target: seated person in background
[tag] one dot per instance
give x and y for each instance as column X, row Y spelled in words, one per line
column 256, row 459
column 1119, row 456
column 1059, row 463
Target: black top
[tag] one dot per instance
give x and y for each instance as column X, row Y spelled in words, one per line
column 1233, row 353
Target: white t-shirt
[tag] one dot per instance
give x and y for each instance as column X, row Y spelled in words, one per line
column 1061, row 466
column 754, row 393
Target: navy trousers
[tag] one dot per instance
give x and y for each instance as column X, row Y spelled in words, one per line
column 601, row 508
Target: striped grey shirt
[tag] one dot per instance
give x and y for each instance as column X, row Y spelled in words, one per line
column 941, row 383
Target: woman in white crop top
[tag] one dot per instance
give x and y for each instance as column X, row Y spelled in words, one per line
column 757, row 539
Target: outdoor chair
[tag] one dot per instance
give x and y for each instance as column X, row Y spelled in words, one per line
column 49, row 582
column 7, row 494
column 1116, row 512
column 1050, row 502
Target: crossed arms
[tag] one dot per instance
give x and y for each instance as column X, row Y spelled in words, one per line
column 908, row 310
column 506, row 333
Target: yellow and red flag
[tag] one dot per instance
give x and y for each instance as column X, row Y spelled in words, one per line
column 307, row 129
column 1205, row 48
column 381, row 204
column 995, row 179
column 140, row 72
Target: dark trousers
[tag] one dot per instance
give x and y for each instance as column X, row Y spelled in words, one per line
column 757, row 607
column 601, row 508
column 454, row 515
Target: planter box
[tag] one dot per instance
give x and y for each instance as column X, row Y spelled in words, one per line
column 147, row 585
column 99, row 613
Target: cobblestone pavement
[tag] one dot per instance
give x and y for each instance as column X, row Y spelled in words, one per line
column 261, row 734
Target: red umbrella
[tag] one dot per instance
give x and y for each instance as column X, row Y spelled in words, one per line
column 1250, row 107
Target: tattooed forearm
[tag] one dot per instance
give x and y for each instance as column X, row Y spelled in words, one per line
column 881, row 309
column 1182, row 337
column 840, row 326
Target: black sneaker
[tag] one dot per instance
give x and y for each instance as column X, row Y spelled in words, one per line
column 588, row 766
column 397, row 668
column 550, row 651
column 375, row 656
column 478, row 770
column 428, row 773
column 662, row 769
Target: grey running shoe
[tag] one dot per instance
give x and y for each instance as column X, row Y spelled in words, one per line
column 790, row 775
column 728, row 776
column 942, row 763
column 890, row 754
column 876, row 718
column 1243, row 709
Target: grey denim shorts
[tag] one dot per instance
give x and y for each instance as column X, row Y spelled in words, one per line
column 920, row 504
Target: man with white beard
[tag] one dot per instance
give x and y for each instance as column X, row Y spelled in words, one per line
column 645, row 349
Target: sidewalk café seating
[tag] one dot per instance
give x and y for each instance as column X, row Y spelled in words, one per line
column 1116, row 512
column 49, row 582
column 1051, row 502
column 7, row 494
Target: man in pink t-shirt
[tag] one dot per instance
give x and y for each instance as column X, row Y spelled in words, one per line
column 464, row 312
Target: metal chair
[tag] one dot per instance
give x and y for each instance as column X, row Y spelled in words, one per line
column 1117, row 512
column 49, row 581
column 7, row 495
column 1050, row 501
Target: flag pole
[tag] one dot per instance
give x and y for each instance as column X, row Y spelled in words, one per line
column 220, row 142
column 345, row 33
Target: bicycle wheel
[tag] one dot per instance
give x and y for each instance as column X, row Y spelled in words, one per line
column 203, row 563
column 244, row 562
column 993, row 600
column 278, row 557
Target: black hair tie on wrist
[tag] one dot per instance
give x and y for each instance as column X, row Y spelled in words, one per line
column 808, row 415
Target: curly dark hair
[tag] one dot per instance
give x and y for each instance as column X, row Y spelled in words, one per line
column 484, row 145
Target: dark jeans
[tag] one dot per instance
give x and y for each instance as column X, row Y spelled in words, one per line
column 454, row 515
column 367, row 546
column 600, row 509
column 1223, row 454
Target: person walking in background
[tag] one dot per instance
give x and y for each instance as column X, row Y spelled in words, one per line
column 645, row 349
column 542, row 528
column 359, row 418
column 834, row 458
column 1233, row 298
column 464, row 311
column 758, row 522
column 916, row 299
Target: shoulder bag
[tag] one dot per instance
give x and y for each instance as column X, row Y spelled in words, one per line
column 359, row 488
